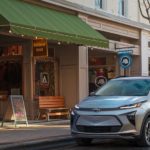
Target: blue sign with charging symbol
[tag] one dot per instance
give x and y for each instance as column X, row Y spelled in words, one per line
column 125, row 58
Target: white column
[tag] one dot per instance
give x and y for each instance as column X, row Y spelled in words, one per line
column 145, row 53
column 83, row 72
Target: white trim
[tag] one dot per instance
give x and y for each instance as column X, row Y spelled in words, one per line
column 90, row 11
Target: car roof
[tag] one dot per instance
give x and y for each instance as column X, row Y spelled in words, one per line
column 132, row 78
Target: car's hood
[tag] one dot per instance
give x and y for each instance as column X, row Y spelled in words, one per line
column 110, row 101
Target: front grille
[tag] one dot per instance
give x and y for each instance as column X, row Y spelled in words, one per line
column 98, row 129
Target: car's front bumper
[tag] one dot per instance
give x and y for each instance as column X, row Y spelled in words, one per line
column 115, row 124
column 124, row 135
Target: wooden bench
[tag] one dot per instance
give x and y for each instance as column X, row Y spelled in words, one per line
column 52, row 106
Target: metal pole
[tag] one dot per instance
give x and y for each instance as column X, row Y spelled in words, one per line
column 124, row 72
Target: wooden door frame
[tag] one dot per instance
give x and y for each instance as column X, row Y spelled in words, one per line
column 56, row 72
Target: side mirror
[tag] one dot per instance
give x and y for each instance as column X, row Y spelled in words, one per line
column 92, row 93
column 148, row 94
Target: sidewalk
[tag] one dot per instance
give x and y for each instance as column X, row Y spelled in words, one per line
column 36, row 132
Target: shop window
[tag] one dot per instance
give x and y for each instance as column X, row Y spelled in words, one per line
column 12, row 50
column 11, row 77
column 97, row 61
column 99, row 72
column 11, row 69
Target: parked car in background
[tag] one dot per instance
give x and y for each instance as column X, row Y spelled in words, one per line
column 119, row 109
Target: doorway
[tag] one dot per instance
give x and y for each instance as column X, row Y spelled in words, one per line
column 46, row 77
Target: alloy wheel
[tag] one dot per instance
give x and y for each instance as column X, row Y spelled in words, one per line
column 147, row 132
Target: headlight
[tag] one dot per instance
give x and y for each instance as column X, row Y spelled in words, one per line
column 76, row 106
column 72, row 111
column 136, row 105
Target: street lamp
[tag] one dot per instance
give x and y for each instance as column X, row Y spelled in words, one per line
column 146, row 11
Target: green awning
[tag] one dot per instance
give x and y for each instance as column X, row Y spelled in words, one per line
column 27, row 19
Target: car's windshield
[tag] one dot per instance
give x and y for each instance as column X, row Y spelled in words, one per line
column 126, row 87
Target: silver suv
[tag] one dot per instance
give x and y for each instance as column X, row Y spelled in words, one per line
column 119, row 109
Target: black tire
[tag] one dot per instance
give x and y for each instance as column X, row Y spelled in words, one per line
column 144, row 139
column 83, row 141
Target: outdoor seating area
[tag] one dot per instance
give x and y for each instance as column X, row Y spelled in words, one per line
column 52, row 106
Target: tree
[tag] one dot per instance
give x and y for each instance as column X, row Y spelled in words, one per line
column 144, row 6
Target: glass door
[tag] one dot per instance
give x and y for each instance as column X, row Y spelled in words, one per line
column 45, row 77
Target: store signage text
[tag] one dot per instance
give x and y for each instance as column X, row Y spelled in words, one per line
column 40, row 47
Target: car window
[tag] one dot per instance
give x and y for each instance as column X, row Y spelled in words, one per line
column 136, row 87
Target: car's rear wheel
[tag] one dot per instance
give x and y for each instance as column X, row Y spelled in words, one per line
column 144, row 139
column 83, row 141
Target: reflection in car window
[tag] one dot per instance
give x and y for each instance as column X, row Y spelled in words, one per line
column 136, row 87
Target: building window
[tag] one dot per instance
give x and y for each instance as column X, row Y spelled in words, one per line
column 99, row 4
column 148, row 44
column 121, row 7
column 149, row 66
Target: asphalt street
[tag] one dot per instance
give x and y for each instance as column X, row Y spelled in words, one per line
column 103, row 145
column 96, row 145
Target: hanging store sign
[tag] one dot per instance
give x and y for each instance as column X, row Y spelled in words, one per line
column 125, row 58
column 40, row 47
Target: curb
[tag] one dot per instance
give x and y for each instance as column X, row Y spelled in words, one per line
column 37, row 123
column 38, row 144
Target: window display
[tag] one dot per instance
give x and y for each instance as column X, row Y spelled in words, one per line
column 10, row 76
column 11, row 69
column 99, row 72
column 11, row 50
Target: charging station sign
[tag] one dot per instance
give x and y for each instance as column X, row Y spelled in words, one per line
column 125, row 58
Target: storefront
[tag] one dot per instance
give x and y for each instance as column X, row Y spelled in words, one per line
column 12, row 68
column 41, row 68
column 104, row 65
column 48, row 60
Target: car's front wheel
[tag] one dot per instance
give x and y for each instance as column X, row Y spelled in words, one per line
column 144, row 139
column 83, row 141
